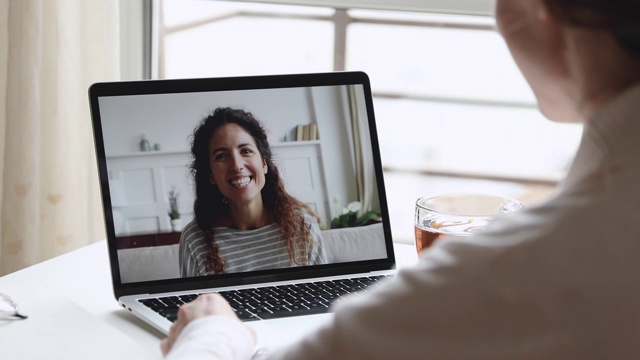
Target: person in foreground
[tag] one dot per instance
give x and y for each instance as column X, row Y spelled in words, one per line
column 244, row 218
column 556, row 281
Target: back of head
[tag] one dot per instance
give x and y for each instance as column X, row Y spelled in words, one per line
column 620, row 17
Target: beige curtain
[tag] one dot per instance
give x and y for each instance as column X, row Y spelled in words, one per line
column 365, row 173
column 50, row 52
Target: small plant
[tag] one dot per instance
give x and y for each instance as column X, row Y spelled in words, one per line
column 174, row 213
column 349, row 217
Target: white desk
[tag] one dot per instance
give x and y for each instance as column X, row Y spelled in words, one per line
column 76, row 288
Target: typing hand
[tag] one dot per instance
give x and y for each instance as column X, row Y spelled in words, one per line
column 205, row 305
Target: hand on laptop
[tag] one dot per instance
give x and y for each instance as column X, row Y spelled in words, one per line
column 205, row 305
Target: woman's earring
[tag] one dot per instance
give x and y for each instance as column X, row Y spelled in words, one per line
column 224, row 200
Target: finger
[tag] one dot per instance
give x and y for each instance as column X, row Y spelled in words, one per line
column 208, row 304
column 174, row 332
column 164, row 346
column 189, row 312
column 220, row 306
column 167, row 343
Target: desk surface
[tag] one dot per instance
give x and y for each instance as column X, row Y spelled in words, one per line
column 75, row 290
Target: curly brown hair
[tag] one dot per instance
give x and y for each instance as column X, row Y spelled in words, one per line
column 209, row 205
column 620, row 17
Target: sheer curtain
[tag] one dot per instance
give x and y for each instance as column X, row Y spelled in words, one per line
column 50, row 52
column 365, row 173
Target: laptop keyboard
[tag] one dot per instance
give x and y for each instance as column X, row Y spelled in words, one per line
column 272, row 302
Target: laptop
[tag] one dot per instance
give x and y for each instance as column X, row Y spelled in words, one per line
column 322, row 134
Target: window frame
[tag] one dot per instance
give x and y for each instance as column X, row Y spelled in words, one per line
column 460, row 7
column 342, row 19
column 144, row 64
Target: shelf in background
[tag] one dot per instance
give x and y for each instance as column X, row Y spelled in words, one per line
column 149, row 153
column 296, row 143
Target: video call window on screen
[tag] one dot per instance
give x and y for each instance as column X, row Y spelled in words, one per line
column 319, row 138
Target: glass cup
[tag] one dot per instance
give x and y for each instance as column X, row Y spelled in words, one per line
column 457, row 215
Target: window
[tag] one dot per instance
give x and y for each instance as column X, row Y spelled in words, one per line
column 453, row 112
column 217, row 38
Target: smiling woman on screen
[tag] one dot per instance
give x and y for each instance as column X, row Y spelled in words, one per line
column 555, row 281
column 244, row 218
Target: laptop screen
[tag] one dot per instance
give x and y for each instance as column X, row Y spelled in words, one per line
column 306, row 200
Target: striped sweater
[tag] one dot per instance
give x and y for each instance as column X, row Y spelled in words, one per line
column 244, row 250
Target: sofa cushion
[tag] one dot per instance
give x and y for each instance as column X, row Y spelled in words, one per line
column 149, row 263
column 356, row 243
column 161, row 262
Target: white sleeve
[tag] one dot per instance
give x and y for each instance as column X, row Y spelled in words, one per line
column 450, row 306
column 507, row 293
column 213, row 337
column 457, row 303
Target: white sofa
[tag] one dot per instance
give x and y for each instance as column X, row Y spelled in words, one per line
column 161, row 262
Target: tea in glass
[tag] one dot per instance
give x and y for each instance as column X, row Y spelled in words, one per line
column 457, row 214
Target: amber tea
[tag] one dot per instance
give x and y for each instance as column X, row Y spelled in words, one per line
column 424, row 238
column 431, row 230
column 456, row 215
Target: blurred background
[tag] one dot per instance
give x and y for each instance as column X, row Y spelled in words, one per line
column 453, row 112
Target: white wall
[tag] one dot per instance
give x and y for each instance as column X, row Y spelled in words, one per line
column 169, row 119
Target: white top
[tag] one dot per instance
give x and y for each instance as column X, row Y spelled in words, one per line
column 558, row 281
